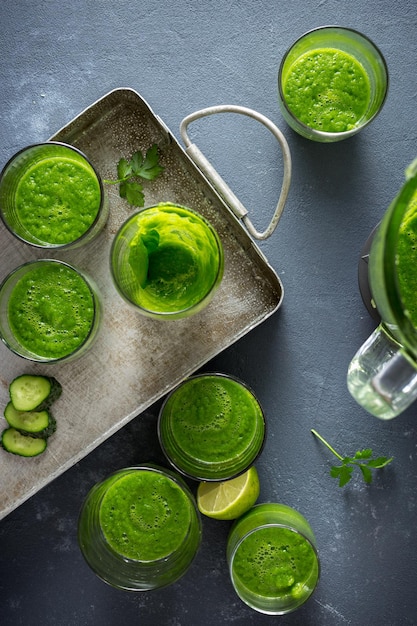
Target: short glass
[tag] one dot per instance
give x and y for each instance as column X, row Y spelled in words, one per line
column 167, row 261
column 211, row 427
column 272, row 558
column 49, row 311
column 318, row 97
column 52, row 197
column 139, row 529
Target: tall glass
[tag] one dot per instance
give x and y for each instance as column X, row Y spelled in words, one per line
column 332, row 82
column 382, row 376
column 49, row 311
column 52, row 197
column 139, row 529
column 211, row 427
column 272, row 558
column 167, row 261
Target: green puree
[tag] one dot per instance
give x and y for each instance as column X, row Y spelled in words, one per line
column 145, row 516
column 327, row 89
column 274, row 562
column 214, row 420
column 57, row 199
column 51, row 310
column 174, row 257
column 407, row 261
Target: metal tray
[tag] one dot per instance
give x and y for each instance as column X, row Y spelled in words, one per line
column 135, row 360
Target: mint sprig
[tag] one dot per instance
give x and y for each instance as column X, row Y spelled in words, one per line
column 361, row 459
column 130, row 172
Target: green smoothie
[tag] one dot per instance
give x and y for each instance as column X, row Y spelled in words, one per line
column 272, row 558
column 166, row 259
column 274, row 562
column 327, row 89
column 212, row 427
column 57, row 199
column 145, row 516
column 406, row 261
column 51, row 310
column 139, row 528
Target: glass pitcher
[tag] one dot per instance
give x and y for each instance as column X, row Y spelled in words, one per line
column 382, row 376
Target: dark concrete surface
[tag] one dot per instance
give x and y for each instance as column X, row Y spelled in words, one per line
column 56, row 59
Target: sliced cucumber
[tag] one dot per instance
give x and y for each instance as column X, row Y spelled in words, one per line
column 33, row 423
column 34, row 393
column 16, row 443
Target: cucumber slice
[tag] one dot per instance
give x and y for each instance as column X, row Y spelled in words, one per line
column 34, row 393
column 33, row 423
column 16, row 443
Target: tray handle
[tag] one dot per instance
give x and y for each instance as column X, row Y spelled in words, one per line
column 216, row 180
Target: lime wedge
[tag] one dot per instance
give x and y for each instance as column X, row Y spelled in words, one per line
column 229, row 499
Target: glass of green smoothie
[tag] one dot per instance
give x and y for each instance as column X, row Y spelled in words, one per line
column 211, row 427
column 382, row 376
column 167, row 261
column 332, row 82
column 49, row 311
column 51, row 196
column 139, row 529
column 272, row 558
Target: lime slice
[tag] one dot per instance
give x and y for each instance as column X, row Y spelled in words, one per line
column 229, row 499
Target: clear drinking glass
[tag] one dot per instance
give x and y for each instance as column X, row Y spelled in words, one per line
column 211, row 427
column 139, row 529
column 49, row 311
column 272, row 558
column 167, row 261
column 324, row 90
column 52, row 197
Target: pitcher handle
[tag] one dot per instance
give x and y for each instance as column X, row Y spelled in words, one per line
column 220, row 185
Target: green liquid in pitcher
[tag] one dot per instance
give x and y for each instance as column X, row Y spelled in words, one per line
column 406, row 261
column 145, row 516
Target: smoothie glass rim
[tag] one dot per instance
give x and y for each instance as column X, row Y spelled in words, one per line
column 320, row 134
column 196, row 306
column 114, row 568
column 202, row 463
column 46, row 245
column 157, row 469
column 231, row 554
column 93, row 289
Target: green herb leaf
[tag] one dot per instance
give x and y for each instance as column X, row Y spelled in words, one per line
column 366, row 473
column 150, row 168
column 363, row 454
column 128, row 173
column 124, row 169
column 342, row 472
column 362, row 459
column 134, row 194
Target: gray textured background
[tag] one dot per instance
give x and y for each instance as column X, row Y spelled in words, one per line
column 56, row 59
